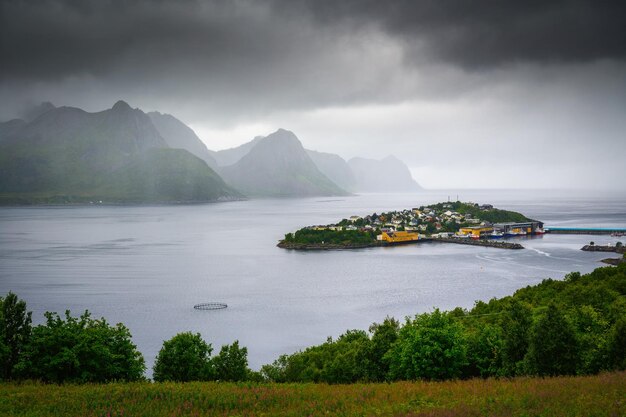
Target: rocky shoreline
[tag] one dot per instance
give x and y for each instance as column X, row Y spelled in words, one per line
column 608, row 248
column 471, row 242
column 330, row 246
column 479, row 242
column 614, row 261
column 604, row 248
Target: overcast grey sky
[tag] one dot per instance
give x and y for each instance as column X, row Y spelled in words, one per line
column 476, row 94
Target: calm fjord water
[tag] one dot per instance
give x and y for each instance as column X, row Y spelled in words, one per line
column 147, row 266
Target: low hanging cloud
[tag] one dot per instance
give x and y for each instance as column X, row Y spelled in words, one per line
column 435, row 74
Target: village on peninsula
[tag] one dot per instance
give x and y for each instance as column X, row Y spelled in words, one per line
column 452, row 222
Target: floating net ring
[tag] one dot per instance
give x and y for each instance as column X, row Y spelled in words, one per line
column 210, row 306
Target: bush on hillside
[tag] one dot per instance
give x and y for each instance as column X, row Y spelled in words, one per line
column 80, row 349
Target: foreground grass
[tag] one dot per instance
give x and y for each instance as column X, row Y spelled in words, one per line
column 599, row 395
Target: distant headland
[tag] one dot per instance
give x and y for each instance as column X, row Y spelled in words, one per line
column 448, row 222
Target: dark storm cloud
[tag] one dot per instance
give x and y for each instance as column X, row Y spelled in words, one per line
column 45, row 40
column 48, row 39
column 357, row 77
column 225, row 58
column 483, row 33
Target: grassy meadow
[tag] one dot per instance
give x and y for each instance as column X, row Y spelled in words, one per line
column 598, row 395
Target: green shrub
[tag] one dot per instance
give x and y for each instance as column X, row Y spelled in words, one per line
column 231, row 364
column 431, row 346
column 185, row 357
column 80, row 350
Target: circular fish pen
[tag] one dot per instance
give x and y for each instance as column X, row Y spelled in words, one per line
column 210, row 306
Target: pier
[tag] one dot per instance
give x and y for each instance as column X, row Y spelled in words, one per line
column 481, row 242
column 586, row 230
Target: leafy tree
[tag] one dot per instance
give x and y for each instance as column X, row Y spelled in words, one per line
column 384, row 335
column 80, row 350
column 432, row 346
column 552, row 348
column 484, row 351
column 185, row 357
column 345, row 361
column 572, row 277
column 15, row 330
column 277, row 370
column 592, row 329
column 617, row 345
column 231, row 364
column 516, row 324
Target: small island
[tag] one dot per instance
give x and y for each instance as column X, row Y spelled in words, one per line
column 618, row 248
column 449, row 222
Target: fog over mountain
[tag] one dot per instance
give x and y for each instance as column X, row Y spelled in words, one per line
column 335, row 168
column 388, row 174
column 33, row 112
column 179, row 135
column 481, row 94
column 69, row 155
column 357, row 175
column 278, row 166
column 230, row 156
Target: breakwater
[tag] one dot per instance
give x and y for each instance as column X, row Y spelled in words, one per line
column 586, row 231
column 479, row 242
column 604, row 248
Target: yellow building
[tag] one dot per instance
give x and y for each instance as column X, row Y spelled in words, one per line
column 475, row 232
column 397, row 237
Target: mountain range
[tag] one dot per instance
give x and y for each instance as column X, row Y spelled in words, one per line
column 123, row 155
column 67, row 155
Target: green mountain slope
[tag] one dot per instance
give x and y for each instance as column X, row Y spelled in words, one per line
column 69, row 155
column 165, row 175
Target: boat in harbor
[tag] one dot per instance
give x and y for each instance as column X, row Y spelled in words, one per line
column 496, row 235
